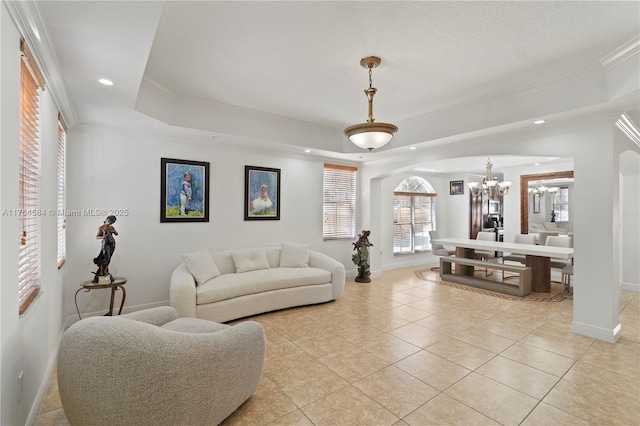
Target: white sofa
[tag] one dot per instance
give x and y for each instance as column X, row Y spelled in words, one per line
column 230, row 284
column 548, row 229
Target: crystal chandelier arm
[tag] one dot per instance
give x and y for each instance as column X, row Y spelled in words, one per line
column 475, row 188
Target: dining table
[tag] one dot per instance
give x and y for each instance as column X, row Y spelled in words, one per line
column 537, row 257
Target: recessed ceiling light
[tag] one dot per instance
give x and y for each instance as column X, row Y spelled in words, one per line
column 106, row 82
column 539, row 121
column 413, row 148
column 307, row 151
column 536, row 164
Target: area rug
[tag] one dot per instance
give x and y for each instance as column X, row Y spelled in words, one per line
column 557, row 293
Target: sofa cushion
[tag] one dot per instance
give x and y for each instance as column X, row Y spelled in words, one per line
column 536, row 227
column 550, row 226
column 201, row 266
column 250, row 260
column 229, row 286
column 194, row 325
column 294, row 255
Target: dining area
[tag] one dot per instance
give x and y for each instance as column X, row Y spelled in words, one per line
column 531, row 263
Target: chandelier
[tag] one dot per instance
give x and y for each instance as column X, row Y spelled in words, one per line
column 489, row 186
column 370, row 135
column 540, row 190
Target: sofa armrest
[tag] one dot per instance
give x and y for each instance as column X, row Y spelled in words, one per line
column 182, row 292
column 156, row 316
column 322, row 261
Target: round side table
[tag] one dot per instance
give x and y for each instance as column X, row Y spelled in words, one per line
column 118, row 282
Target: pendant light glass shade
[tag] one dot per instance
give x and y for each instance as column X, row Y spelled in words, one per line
column 370, row 135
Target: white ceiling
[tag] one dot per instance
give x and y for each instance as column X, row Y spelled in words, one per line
column 298, row 62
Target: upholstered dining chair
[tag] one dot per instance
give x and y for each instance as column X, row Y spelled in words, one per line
column 543, row 235
column 567, row 273
column 557, row 241
column 152, row 368
column 438, row 249
column 520, row 239
column 485, row 254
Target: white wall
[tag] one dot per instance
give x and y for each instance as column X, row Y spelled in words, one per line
column 117, row 169
column 630, row 220
column 27, row 342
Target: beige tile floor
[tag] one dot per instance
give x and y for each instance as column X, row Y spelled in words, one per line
column 402, row 351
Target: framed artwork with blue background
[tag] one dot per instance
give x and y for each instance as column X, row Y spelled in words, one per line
column 261, row 193
column 185, row 191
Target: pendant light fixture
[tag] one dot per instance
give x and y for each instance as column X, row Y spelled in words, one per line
column 370, row 135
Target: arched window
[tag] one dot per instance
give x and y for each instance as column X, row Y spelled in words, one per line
column 414, row 215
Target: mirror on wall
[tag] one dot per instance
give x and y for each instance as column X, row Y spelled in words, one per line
column 525, row 181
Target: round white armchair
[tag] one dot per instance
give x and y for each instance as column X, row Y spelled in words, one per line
column 151, row 368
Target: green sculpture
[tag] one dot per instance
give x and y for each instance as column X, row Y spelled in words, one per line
column 361, row 257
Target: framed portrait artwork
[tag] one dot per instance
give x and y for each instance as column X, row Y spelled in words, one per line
column 456, row 187
column 261, row 193
column 184, row 194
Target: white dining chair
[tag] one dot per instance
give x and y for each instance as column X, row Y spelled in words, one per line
column 485, row 254
column 558, row 241
column 543, row 235
column 567, row 273
column 520, row 239
column 438, row 249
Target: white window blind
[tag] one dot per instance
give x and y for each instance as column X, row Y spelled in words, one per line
column 31, row 83
column 339, row 202
column 561, row 205
column 414, row 208
column 62, row 221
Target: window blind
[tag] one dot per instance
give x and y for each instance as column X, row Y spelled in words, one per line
column 29, row 180
column 339, row 202
column 413, row 218
column 561, row 205
column 62, row 221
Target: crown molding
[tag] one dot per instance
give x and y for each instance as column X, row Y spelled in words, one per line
column 26, row 16
column 158, row 89
column 622, row 53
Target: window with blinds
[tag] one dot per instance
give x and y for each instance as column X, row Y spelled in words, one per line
column 62, row 221
column 414, row 210
column 339, row 202
column 31, row 83
column 561, row 205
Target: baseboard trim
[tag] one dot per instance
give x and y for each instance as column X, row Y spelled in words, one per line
column 635, row 287
column 36, row 407
column 127, row 309
column 415, row 263
column 599, row 333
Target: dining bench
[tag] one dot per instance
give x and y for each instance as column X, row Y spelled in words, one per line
column 522, row 288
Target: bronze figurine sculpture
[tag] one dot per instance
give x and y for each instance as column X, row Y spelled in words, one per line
column 361, row 257
column 105, row 233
